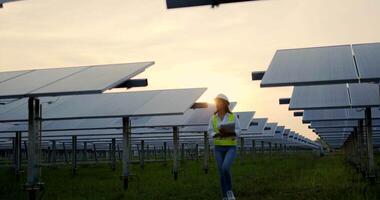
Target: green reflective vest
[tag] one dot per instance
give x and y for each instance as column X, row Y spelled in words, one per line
column 225, row 141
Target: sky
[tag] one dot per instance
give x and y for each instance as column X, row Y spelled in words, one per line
column 192, row 47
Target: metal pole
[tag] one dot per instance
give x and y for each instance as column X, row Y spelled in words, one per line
column 253, row 148
column 175, row 152
column 262, row 147
column 18, row 155
column 118, row 152
column 182, row 152
column 362, row 151
column 155, row 153
column 74, row 155
column 95, row 153
column 165, row 147
column 26, row 150
column 142, row 154
column 371, row 167
column 32, row 184
column 242, row 150
column 54, row 152
column 65, row 152
column 147, row 152
column 126, row 150
column 205, row 152
column 270, row 148
column 196, row 152
column 85, row 151
column 113, row 154
column 14, row 153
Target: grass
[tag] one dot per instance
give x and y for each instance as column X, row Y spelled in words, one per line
column 295, row 176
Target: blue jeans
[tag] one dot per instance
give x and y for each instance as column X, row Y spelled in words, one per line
column 224, row 156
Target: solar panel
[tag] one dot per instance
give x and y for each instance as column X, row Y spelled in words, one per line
column 244, row 120
column 69, row 80
column 4, row 76
column 279, row 131
column 364, row 94
column 116, row 123
column 329, row 130
column 27, row 83
column 269, row 129
column 112, row 105
column 286, row 133
column 256, row 126
column 311, row 66
column 368, row 61
column 193, row 117
column 190, row 3
column 319, row 96
column 335, row 96
column 334, row 124
column 337, row 114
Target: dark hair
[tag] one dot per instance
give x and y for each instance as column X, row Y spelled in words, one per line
column 226, row 107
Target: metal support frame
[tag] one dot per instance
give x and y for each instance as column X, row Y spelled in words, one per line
column 206, row 151
column 74, row 155
column 126, row 150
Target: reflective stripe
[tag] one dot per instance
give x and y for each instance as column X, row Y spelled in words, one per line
column 225, row 141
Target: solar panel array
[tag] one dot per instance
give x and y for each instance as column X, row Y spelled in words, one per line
column 338, row 89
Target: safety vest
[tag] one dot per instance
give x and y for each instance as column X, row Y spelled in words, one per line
column 225, row 141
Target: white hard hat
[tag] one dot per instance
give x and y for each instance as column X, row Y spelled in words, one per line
column 222, row 96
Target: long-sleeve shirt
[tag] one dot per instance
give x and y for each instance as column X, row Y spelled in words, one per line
column 211, row 130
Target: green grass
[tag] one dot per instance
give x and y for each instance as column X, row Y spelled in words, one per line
column 296, row 176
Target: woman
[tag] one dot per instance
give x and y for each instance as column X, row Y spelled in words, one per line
column 225, row 142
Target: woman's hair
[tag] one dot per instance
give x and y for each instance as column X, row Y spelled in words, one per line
column 226, row 107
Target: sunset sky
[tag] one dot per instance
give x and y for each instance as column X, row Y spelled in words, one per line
column 192, row 47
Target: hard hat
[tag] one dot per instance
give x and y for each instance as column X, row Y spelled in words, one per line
column 223, row 97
